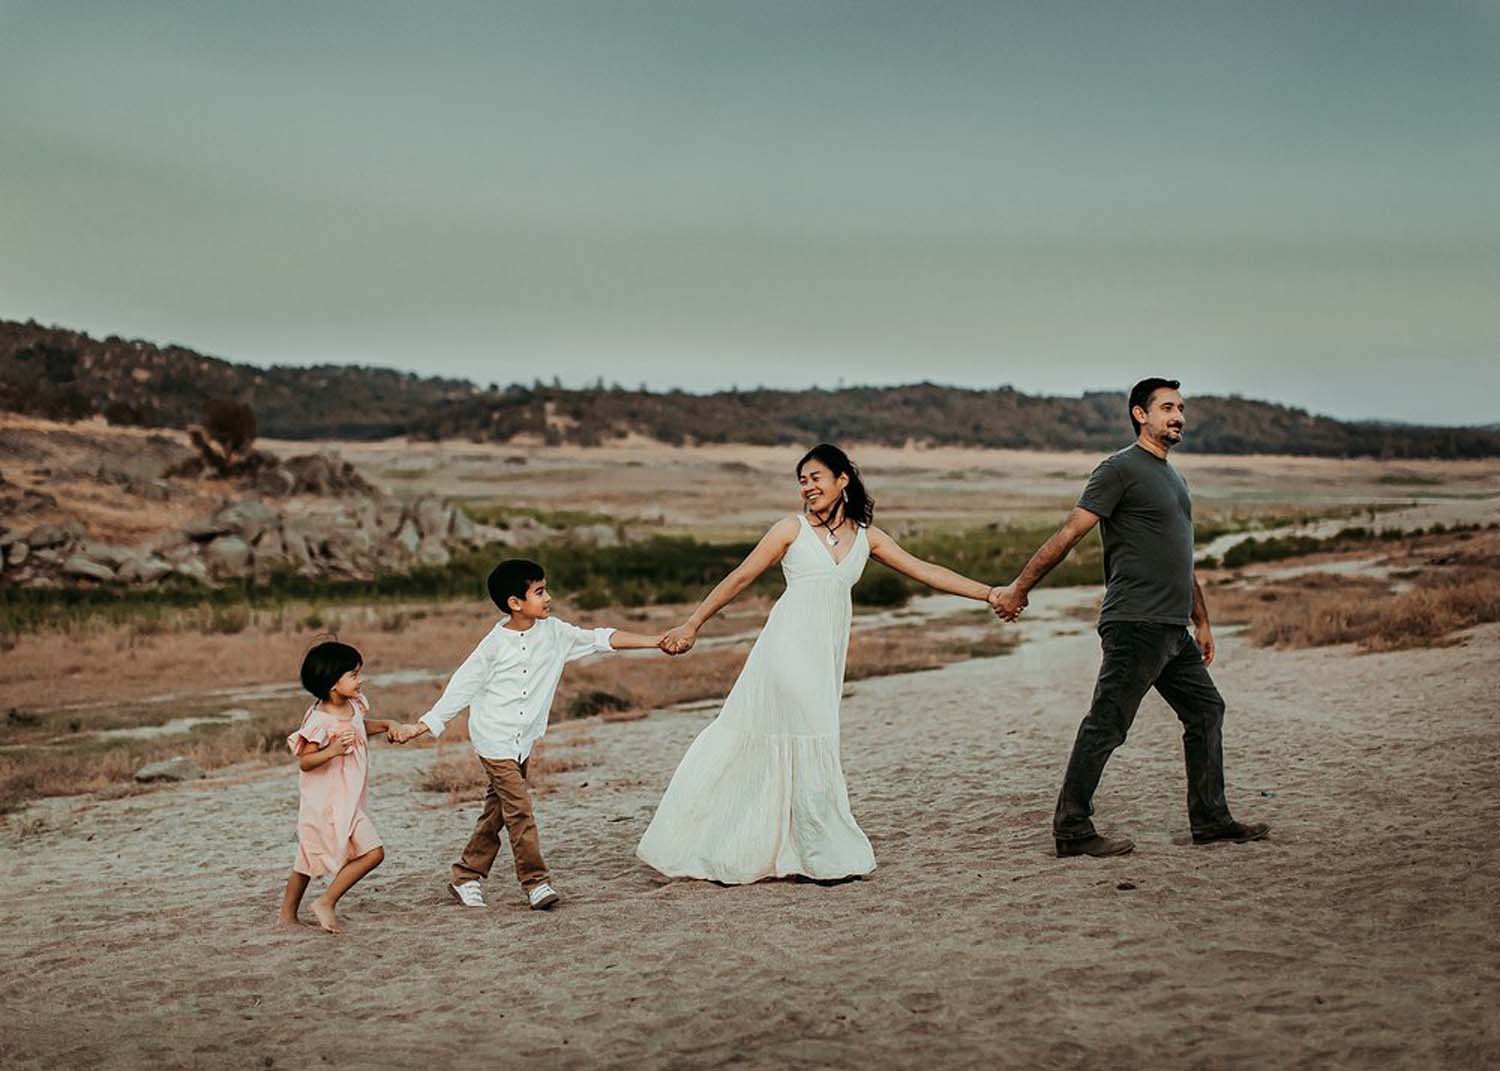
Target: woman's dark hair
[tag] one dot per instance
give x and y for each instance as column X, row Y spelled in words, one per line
column 511, row 579
column 1140, row 395
column 325, row 664
column 858, row 506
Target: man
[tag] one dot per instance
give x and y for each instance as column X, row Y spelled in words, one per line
column 1151, row 595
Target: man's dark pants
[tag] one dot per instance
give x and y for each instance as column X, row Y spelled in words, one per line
column 1137, row 657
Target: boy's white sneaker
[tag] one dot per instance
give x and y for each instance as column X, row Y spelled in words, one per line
column 469, row 894
column 543, row 897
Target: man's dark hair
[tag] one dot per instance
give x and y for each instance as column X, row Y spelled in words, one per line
column 511, row 579
column 1140, row 395
column 325, row 664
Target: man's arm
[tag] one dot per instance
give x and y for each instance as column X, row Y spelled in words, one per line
column 1201, row 631
column 1008, row 602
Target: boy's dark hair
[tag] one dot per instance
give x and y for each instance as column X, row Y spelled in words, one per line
column 1140, row 395
column 325, row 664
column 511, row 579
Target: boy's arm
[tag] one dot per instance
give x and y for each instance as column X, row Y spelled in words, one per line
column 463, row 686
column 582, row 642
column 620, row 640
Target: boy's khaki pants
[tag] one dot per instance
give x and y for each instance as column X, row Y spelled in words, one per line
column 507, row 802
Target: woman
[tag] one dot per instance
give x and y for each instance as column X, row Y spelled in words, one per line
column 760, row 793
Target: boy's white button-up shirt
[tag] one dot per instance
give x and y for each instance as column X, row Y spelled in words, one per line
column 508, row 683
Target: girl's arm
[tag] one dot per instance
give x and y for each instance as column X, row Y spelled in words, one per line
column 770, row 550
column 310, row 756
column 887, row 551
column 376, row 726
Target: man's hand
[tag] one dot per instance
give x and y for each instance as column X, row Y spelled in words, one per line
column 1205, row 637
column 1007, row 602
column 400, row 733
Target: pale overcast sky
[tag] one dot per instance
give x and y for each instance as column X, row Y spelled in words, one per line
column 1297, row 201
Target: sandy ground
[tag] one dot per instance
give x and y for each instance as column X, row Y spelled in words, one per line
column 1365, row 933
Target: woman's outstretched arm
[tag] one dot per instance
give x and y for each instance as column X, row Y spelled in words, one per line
column 887, row 551
column 767, row 552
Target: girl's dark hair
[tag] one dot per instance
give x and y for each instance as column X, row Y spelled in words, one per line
column 325, row 664
column 859, row 507
column 511, row 579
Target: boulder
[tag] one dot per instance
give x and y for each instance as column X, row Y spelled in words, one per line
column 17, row 553
column 365, row 514
column 432, row 552
column 357, row 540
column 205, row 529
column 463, row 528
column 111, row 554
column 7, row 536
column 326, row 474
column 270, row 546
column 227, row 556
column 433, row 516
column 409, row 536
column 389, row 515
column 44, row 536
column 144, row 569
column 191, row 569
column 275, row 481
column 176, row 768
column 178, row 553
column 294, row 544
column 249, row 519
column 77, row 565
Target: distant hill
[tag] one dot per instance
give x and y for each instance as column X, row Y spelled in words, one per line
column 61, row 374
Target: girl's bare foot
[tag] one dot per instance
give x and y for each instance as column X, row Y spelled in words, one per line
column 326, row 918
column 287, row 922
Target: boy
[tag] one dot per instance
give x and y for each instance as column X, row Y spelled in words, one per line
column 508, row 683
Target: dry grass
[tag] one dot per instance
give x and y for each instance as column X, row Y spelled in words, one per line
column 30, row 772
column 1454, row 584
column 1428, row 615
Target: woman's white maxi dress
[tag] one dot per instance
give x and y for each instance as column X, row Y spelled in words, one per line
column 760, row 793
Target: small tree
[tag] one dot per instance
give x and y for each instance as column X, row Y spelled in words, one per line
column 231, row 425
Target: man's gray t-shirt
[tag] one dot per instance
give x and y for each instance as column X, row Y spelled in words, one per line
column 1147, row 525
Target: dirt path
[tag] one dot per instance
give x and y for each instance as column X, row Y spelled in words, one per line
column 1365, row 934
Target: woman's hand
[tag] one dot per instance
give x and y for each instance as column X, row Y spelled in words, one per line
column 679, row 640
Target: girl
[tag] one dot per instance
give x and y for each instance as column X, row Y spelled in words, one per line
column 334, row 833
column 761, row 793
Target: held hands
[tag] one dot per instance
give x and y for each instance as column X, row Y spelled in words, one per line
column 679, row 640
column 1007, row 602
column 400, row 733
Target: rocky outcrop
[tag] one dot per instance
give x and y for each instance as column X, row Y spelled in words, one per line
column 252, row 539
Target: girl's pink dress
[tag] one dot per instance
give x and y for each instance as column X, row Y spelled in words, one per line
column 332, row 824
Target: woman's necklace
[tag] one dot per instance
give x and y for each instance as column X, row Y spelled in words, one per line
column 828, row 535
